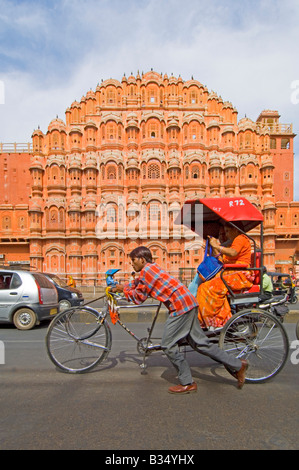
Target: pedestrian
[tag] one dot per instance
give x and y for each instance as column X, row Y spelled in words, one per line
column 71, row 281
column 182, row 321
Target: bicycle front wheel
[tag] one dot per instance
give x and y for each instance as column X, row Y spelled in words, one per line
column 78, row 339
column 260, row 338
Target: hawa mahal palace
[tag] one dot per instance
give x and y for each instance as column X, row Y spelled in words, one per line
column 115, row 173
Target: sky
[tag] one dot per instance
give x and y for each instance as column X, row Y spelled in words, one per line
column 53, row 52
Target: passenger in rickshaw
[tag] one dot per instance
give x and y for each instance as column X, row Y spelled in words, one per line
column 214, row 309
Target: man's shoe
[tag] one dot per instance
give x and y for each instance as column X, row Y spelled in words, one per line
column 180, row 389
column 241, row 374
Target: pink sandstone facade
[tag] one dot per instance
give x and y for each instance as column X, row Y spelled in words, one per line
column 116, row 172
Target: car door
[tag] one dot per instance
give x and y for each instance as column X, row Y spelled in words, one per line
column 10, row 292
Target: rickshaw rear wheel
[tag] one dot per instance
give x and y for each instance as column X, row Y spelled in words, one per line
column 258, row 337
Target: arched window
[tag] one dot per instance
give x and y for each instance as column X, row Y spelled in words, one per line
column 54, row 173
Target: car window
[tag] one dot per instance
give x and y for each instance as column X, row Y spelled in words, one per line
column 59, row 281
column 5, row 280
column 16, row 281
column 42, row 281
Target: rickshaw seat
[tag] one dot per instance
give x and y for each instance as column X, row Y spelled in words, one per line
column 255, row 288
column 257, row 274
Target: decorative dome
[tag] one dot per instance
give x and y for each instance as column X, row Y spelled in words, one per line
column 36, row 162
column 246, row 123
column 75, row 161
column 132, row 162
column 213, row 124
column 75, row 203
column 56, row 124
column 215, row 160
column 91, row 160
column 248, row 158
column 230, row 161
column 90, row 202
column 90, row 124
column 37, row 132
column 174, row 162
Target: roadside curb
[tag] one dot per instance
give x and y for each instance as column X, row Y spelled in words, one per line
column 292, row 316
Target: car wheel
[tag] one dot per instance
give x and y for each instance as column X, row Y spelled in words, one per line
column 63, row 305
column 24, row 319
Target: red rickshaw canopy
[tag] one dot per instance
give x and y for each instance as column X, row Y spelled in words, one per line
column 214, row 211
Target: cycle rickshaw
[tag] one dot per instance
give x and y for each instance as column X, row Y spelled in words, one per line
column 80, row 338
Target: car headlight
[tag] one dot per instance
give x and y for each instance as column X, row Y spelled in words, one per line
column 74, row 295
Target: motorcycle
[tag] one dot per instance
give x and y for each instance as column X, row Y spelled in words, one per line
column 276, row 305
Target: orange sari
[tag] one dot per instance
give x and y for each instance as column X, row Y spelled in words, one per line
column 214, row 309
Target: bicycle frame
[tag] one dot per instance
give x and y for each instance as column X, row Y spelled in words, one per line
column 114, row 310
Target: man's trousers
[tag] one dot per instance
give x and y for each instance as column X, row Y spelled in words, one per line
column 188, row 326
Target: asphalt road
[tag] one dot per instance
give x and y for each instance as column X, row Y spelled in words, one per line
column 117, row 408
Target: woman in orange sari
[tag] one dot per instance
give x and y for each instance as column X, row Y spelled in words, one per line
column 71, row 281
column 214, row 309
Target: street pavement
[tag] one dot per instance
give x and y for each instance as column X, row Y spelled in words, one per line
column 117, row 408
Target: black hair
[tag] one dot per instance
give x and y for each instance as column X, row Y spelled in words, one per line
column 142, row 252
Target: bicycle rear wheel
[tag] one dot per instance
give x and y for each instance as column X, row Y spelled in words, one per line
column 78, row 339
column 260, row 338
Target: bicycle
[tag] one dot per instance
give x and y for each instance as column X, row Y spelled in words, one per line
column 79, row 339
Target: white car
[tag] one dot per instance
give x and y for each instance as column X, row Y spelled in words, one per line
column 26, row 298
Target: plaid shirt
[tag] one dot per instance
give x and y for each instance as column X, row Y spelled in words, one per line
column 154, row 282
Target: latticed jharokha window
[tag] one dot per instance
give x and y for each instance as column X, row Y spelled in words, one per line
column 153, row 171
column 154, row 212
column 195, row 172
column 193, row 97
column 111, row 173
column 153, row 130
column 111, row 214
column 111, row 97
column 187, row 172
column 111, row 131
